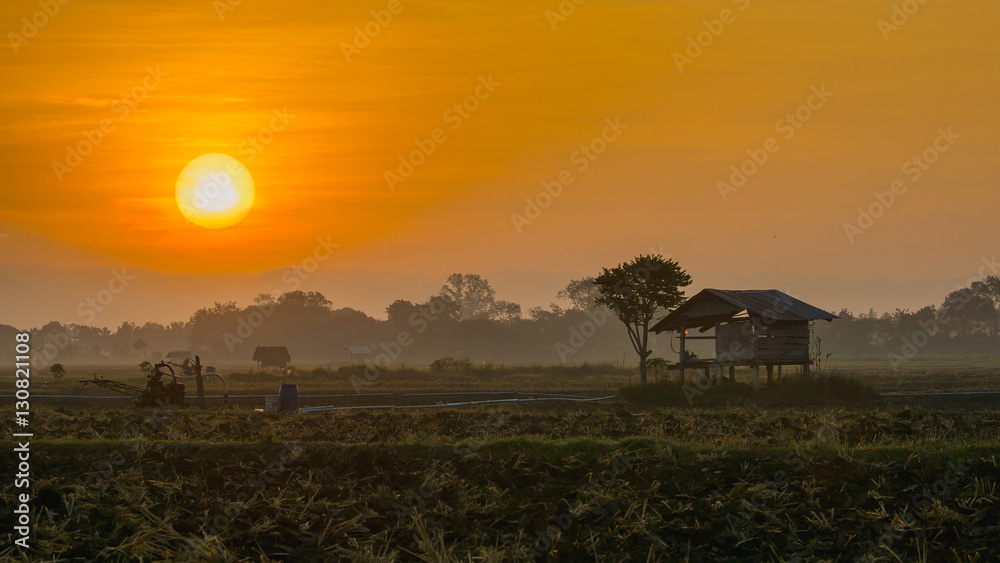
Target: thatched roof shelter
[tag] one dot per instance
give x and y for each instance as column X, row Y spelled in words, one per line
column 271, row 357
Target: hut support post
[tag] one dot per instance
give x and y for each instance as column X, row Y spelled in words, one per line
column 683, row 338
column 770, row 375
column 756, row 378
column 779, row 375
column 718, row 375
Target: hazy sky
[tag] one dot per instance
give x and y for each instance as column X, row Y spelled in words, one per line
column 170, row 81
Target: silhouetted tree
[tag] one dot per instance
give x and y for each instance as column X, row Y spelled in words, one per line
column 399, row 311
column 57, row 371
column 209, row 325
column 990, row 288
column 969, row 315
column 541, row 315
column 141, row 345
column 636, row 291
column 265, row 301
column 582, row 293
column 471, row 294
column 505, row 311
column 304, row 300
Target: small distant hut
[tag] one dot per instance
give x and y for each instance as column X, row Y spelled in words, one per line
column 271, row 357
column 357, row 354
column 752, row 328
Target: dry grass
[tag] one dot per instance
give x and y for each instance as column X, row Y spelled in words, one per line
column 500, row 500
column 609, row 481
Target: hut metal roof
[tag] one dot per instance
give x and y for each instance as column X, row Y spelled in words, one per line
column 720, row 305
column 271, row 354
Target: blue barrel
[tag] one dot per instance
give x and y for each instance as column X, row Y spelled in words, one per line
column 288, row 394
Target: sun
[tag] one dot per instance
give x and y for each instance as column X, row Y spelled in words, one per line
column 215, row 191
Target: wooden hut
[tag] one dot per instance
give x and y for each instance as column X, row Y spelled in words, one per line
column 271, row 357
column 751, row 328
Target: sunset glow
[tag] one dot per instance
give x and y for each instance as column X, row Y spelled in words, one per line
column 418, row 135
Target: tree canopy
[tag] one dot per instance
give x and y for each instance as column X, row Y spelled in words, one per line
column 637, row 291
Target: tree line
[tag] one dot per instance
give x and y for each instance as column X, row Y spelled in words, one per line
column 465, row 319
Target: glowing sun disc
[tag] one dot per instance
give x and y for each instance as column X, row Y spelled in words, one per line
column 215, row 191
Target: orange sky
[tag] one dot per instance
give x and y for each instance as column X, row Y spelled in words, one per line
column 323, row 174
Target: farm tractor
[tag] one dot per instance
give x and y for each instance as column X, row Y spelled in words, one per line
column 158, row 394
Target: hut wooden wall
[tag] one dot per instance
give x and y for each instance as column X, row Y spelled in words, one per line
column 782, row 342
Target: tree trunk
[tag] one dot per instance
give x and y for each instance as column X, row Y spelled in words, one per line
column 644, row 352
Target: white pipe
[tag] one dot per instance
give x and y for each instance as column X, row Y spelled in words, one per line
column 467, row 403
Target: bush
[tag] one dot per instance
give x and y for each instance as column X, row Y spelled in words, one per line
column 57, row 371
column 451, row 365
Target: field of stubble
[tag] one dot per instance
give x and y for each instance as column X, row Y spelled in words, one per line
column 605, row 481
